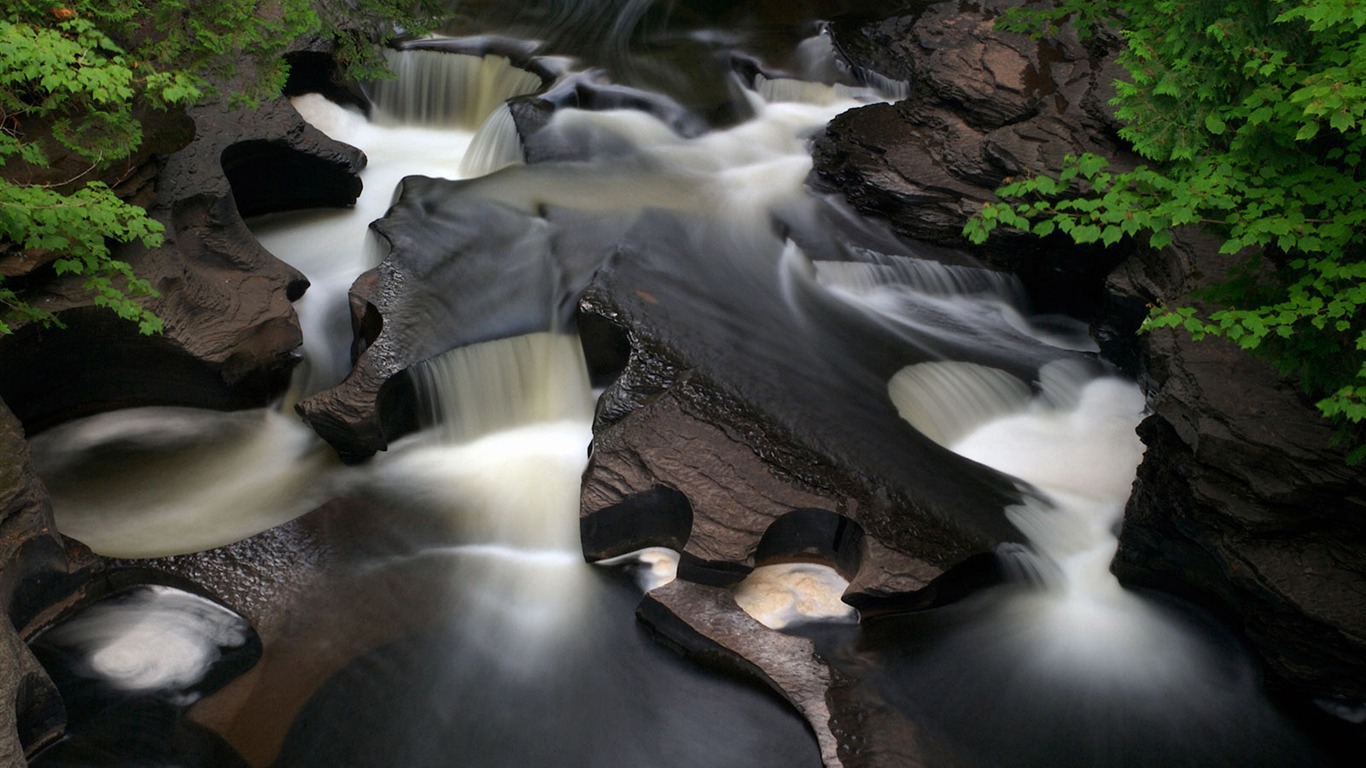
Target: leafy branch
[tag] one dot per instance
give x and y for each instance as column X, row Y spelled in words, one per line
column 1253, row 118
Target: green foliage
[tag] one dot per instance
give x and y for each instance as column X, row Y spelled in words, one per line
column 1252, row 115
column 79, row 225
column 75, row 76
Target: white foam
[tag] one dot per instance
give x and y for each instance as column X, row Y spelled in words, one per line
column 784, row 594
column 250, row 471
column 946, row 401
column 154, row 639
column 657, row 566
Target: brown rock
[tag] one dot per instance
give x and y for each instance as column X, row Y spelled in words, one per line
column 231, row 337
column 34, row 566
column 747, row 422
column 983, row 105
column 708, row 626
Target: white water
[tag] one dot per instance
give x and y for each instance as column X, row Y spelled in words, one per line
column 1074, row 443
column 510, row 423
column 150, row 639
column 149, row 482
column 183, row 493
column 451, row 90
column 786, row 594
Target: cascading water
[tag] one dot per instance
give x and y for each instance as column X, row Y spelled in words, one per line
column 500, row 646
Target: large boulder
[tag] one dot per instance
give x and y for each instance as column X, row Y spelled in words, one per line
column 231, row 336
column 983, row 106
column 460, row 270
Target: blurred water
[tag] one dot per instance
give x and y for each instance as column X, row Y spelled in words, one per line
column 533, row 657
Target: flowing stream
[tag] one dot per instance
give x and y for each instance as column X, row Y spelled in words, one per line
column 530, row 657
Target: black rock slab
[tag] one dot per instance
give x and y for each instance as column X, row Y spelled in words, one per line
column 754, row 392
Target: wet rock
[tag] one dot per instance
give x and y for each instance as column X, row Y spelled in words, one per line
column 231, row 336
column 748, row 423
column 1242, row 502
column 34, row 564
column 707, row 626
column 460, row 271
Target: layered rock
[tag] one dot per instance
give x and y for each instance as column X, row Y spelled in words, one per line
column 983, row 106
column 719, row 427
column 231, row 336
column 1242, row 501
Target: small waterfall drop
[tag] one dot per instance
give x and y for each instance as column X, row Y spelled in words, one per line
column 946, row 401
column 495, row 145
column 921, row 275
column 474, row 391
column 453, row 90
column 1064, row 666
column 789, row 89
column 500, row 464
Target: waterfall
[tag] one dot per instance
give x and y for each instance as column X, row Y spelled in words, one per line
column 921, row 275
column 508, row 422
column 454, row 90
column 474, row 391
column 1072, row 441
column 789, row 89
column 496, row 144
column 155, row 482
column 946, row 400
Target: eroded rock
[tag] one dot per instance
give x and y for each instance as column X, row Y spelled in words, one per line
column 231, row 336
column 460, row 271
column 34, row 564
column 749, row 420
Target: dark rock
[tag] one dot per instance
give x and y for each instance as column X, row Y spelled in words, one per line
column 749, row 423
column 983, row 106
column 460, row 271
column 543, row 141
column 34, row 566
column 706, row 625
column 1242, row 502
column 231, row 336
column 314, row 70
